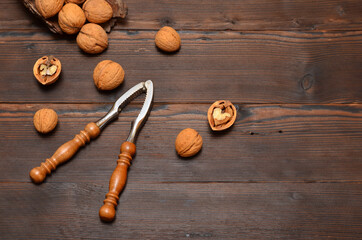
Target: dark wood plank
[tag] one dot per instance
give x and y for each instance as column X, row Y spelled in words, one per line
column 218, row 15
column 266, row 67
column 273, row 143
column 284, row 171
column 177, row 211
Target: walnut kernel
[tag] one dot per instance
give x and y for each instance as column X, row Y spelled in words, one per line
column 47, row 70
column 221, row 115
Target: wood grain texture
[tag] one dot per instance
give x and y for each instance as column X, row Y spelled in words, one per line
column 266, row 67
column 268, row 143
column 180, row 211
column 117, row 182
column 217, row 15
column 289, row 168
column 65, row 152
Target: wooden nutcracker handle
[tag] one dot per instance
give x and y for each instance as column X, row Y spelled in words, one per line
column 117, row 182
column 64, row 152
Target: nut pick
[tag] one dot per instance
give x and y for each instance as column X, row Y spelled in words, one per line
column 91, row 131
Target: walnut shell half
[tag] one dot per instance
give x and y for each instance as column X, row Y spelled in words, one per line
column 47, row 70
column 188, row 142
column 221, row 115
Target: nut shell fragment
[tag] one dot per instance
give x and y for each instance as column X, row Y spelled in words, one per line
column 221, row 115
column 108, row 75
column 49, row 8
column 188, row 142
column 71, row 18
column 45, row 120
column 47, row 70
column 92, row 38
column 97, row 11
column 167, row 39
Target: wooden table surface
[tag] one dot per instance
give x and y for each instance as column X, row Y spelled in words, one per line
column 290, row 168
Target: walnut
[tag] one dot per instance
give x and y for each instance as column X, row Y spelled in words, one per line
column 221, row 115
column 97, row 11
column 188, row 142
column 47, row 70
column 45, row 120
column 108, row 75
column 49, row 8
column 75, row 1
column 92, row 38
column 71, row 18
column 167, row 39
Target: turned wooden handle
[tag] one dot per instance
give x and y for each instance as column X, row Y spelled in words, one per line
column 117, row 182
column 64, row 152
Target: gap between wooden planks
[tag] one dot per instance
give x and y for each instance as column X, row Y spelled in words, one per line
column 255, row 67
column 217, row 210
column 216, row 15
column 268, row 143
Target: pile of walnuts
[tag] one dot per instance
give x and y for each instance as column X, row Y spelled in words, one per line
column 73, row 16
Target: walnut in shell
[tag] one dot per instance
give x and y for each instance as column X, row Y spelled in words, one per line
column 47, row 70
column 167, row 39
column 48, row 8
column 188, row 142
column 45, row 120
column 221, row 115
column 119, row 8
column 92, row 38
column 71, row 18
column 108, row 75
column 97, row 11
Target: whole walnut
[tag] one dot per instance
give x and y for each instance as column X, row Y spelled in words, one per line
column 97, row 11
column 92, row 38
column 45, row 120
column 108, row 75
column 71, row 18
column 75, row 1
column 49, row 8
column 167, row 39
column 188, row 142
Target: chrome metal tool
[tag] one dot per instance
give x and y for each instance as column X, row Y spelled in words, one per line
column 92, row 130
column 128, row 149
